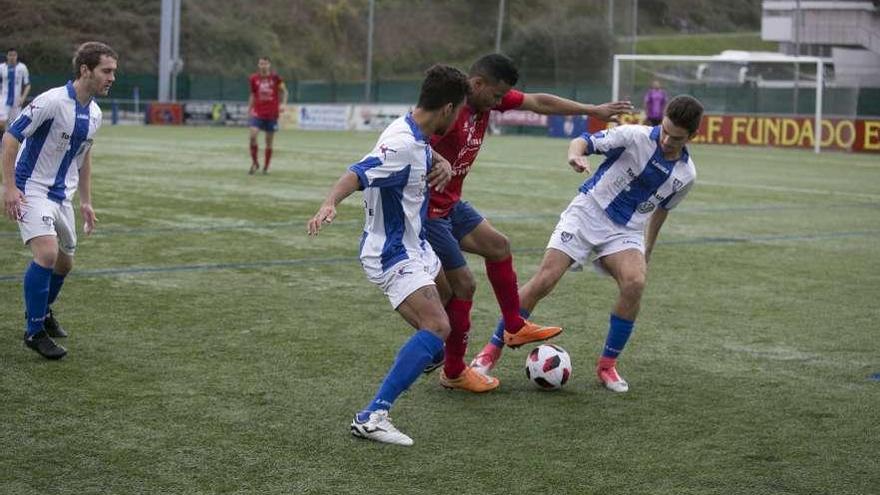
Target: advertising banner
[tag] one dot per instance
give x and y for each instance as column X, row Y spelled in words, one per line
column 861, row 135
column 324, row 117
column 164, row 113
column 375, row 117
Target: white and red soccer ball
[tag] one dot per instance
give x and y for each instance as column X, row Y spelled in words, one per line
column 548, row 366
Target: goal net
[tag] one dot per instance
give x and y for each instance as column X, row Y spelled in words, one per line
column 757, row 98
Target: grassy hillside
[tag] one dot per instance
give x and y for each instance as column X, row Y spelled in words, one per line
column 311, row 39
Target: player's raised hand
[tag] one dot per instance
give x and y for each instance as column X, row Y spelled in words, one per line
column 325, row 214
column 13, row 198
column 441, row 173
column 609, row 112
column 579, row 164
column 89, row 218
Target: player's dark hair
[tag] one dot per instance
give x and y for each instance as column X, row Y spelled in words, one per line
column 267, row 59
column 89, row 54
column 495, row 68
column 11, row 50
column 443, row 84
column 686, row 112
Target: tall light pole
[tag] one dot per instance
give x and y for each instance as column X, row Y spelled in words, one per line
column 169, row 50
column 500, row 28
column 369, row 82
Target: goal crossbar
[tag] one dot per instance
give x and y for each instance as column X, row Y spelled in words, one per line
column 819, row 62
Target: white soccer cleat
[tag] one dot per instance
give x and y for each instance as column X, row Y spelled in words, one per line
column 378, row 427
column 611, row 380
column 486, row 359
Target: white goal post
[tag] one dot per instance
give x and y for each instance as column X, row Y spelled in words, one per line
column 740, row 57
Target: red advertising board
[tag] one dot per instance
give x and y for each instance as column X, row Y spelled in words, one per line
column 767, row 130
column 164, row 113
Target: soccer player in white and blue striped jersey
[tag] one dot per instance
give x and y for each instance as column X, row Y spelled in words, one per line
column 41, row 177
column 616, row 216
column 395, row 178
column 15, row 84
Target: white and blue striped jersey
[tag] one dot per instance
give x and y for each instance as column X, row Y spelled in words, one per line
column 57, row 132
column 635, row 178
column 393, row 178
column 13, row 79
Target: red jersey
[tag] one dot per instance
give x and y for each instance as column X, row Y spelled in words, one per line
column 265, row 91
column 460, row 146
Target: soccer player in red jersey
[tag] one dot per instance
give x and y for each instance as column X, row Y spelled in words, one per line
column 268, row 95
column 454, row 225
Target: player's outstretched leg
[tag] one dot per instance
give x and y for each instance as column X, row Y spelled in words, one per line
column 552, row 268
column 619, row 331
column 518, row 331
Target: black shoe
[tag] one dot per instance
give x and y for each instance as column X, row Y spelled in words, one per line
column 43, row 345
column 52, row 327
column 435, row 363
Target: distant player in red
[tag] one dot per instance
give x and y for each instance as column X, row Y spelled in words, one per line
column 454, row 225
column 266, row 102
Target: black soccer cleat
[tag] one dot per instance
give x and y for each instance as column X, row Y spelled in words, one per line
column 43, row 345
column 52, row 327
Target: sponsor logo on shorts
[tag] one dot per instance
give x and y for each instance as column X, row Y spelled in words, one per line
column 49, row 221
column 645, row 207
column 566, row 236
column 404, row 271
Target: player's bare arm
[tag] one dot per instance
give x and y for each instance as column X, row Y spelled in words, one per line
column 577, row 155
column 12, row 197
column 344, row 187
column 85, row 194
column 25, row 91
column 547, row 104
column 653, row 230
column 441, row 172
column 283, row 93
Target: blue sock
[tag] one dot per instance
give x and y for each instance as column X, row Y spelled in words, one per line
column 415, row 354
column 498, row 337
column 55, row 287
column 36, row 296
column 619, row 331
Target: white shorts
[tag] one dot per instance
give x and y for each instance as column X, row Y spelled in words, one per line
column 42, row 216
column 8, row 113
column 585, row 232
column 404, row 277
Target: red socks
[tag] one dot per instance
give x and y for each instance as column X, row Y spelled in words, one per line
column 268, row 158
column 503, row 280
column 253, row 152
column 459, row 312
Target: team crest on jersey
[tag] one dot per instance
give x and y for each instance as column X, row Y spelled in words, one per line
column 384, row 150
column 566, row 236
column 645, row 207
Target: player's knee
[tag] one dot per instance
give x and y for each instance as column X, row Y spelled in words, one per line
column 499, row 248
column 437, row 324
column 46, row 258
column 464, row 287
column 631, row 287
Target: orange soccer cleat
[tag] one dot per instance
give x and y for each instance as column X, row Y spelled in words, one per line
column 471, row 381
column 530, row 332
